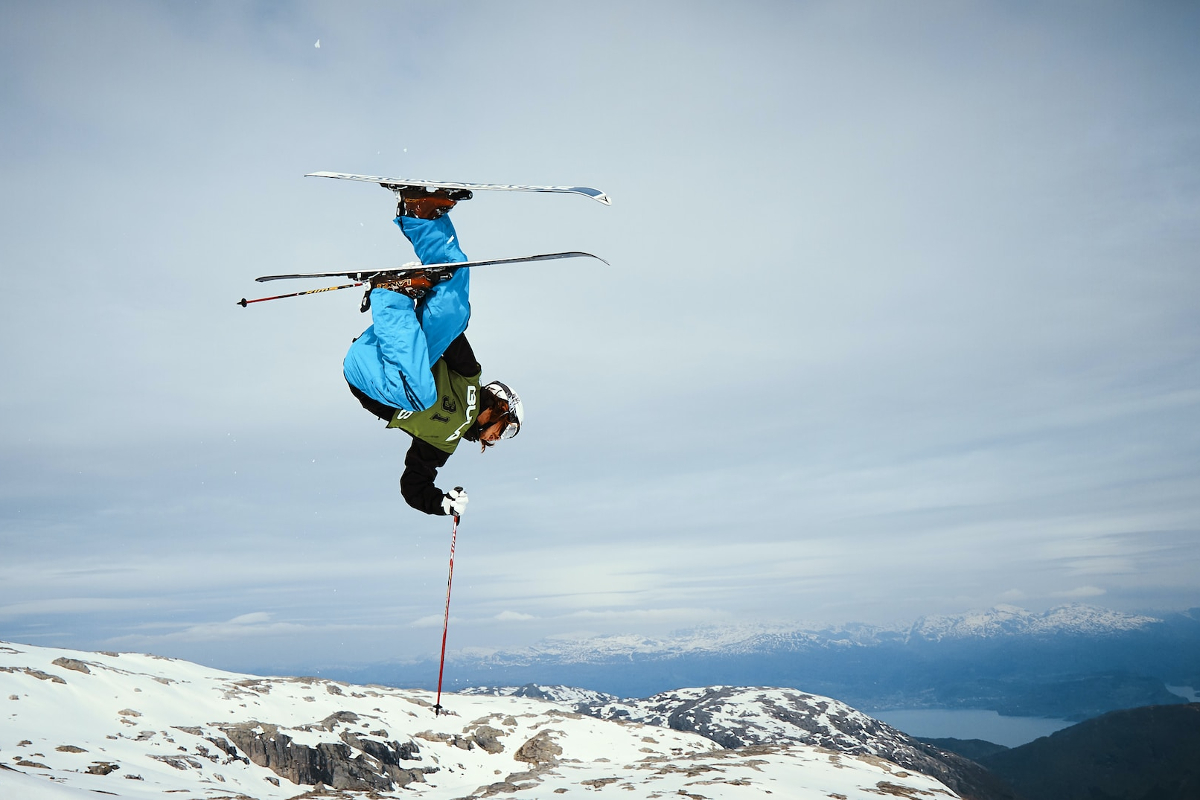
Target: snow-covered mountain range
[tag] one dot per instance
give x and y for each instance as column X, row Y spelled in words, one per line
column 1070, row 620
column 137, row 726
column 1072, row 662
column 997, row 622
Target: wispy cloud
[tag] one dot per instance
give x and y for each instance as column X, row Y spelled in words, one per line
column 1080, row 591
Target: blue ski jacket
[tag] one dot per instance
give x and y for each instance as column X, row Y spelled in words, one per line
column 391, row 361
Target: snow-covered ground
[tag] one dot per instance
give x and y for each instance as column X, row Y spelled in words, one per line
column 139, row 726
column 739, row 716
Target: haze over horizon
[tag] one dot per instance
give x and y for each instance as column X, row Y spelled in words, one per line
column 901, row 318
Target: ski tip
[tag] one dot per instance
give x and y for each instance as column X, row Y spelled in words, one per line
column 579, row 254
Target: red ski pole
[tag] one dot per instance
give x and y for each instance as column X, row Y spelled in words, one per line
column 244, row 302
column 437, row 707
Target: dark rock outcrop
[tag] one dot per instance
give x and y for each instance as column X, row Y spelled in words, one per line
column 72, row 663
column 102, row 768
column 356, row 763
column 540, row 749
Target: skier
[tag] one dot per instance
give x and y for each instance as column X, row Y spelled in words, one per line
column 414, row 368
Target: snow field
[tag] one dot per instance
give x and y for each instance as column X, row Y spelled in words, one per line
column 128, row 712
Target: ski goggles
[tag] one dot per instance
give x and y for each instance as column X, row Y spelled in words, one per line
column 511, row 428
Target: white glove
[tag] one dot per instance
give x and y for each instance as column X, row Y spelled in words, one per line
column 455, row 501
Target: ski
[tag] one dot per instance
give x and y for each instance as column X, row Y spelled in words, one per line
column 362, row 275
column 396, row 184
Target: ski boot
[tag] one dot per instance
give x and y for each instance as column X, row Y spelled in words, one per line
column 427, row 202
column 414, row 283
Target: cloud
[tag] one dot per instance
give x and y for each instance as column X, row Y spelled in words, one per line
column 513, row 616
column 246, row 626
column 436, row 620
column 1081, row 591
column 72, row 606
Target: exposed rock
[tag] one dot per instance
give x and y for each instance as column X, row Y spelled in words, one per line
column 34, row 673
column 227, row 747
column 72, row 663
column 599, row 783
column 102, row 768
column 541, row 749
column 516, row 782
column 488, row 738
column 179, row 762
column 453, row 739
column 386, row 752
column 69, row 748
column 332, row 721
column 355, row 763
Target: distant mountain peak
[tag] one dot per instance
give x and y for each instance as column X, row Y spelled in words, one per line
column 1000, row 620
column 1006, row 620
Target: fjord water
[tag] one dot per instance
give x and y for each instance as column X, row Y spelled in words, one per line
column 937, row 723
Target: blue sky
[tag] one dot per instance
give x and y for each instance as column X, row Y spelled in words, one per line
column 901, row 318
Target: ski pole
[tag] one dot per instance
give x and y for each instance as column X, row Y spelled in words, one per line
column 244, row 302
column 446, row 622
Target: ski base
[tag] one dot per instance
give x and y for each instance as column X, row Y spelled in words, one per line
column 365, row 275
column 396, row 184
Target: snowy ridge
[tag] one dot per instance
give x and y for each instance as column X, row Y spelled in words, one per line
column 138, row 726
column 1004, row 620
column 736, row 640
column 563, row 695
column 736, row 717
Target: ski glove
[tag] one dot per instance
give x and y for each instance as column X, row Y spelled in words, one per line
column 455, row 502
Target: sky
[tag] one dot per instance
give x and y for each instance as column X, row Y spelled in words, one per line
column 901, row 318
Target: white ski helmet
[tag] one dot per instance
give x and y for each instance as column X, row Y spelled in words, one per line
column 516, row 411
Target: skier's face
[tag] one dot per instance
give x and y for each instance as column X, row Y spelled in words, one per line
column 492, row 424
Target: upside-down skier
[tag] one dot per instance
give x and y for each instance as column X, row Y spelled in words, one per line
column 414, row 368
